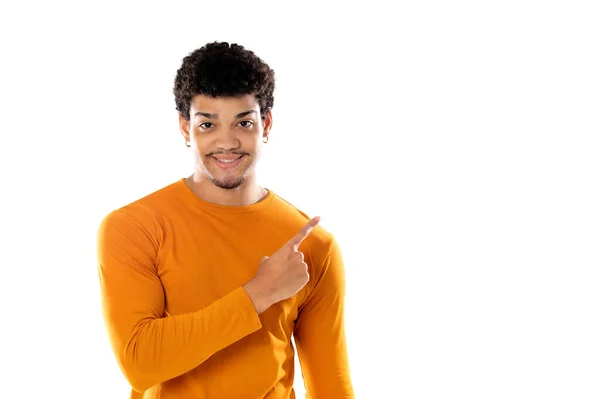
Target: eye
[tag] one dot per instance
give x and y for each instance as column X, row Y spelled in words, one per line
column 246, row 124
column 205, row 125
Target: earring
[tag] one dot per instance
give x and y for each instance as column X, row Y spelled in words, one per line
column 187, row 144
column 266, row 140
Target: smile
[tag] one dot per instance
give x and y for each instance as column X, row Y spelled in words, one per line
column 227, row 163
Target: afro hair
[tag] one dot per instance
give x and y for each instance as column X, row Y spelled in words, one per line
column 219, row 69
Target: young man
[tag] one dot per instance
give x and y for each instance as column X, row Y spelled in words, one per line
column 205, row 281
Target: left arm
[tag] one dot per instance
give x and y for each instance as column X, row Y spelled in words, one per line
column 319, row 333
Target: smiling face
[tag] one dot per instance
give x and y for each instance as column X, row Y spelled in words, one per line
column 225, row 136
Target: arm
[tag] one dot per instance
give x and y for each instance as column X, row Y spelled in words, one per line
column 151, row 348
column 320, row 336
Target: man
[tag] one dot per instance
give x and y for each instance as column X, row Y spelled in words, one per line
column 205, row 281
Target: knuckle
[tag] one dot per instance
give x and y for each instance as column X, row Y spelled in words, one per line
column 296, row 257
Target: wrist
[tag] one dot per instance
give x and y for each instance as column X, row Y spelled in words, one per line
column 258, row 295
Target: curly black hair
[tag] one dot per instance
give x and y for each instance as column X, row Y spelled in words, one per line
column 219, row 69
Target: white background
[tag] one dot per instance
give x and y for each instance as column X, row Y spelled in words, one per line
column 452, row 147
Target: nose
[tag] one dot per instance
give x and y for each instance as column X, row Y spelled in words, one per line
column 227, row 140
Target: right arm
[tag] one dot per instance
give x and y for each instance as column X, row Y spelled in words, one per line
column 151, row 348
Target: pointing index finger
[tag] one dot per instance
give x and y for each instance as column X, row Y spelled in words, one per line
column 304, row 232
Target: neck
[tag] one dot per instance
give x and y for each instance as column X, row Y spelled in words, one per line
column 246, row 194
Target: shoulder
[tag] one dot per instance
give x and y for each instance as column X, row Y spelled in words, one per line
column 143, row 214
column 319, row 243
column 321, row 250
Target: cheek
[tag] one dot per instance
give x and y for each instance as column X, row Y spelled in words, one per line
column 200, row 158
column 258, row 152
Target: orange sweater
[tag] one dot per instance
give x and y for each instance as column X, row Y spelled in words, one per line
column 171, row 269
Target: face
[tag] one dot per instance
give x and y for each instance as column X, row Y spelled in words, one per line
column 225, row 136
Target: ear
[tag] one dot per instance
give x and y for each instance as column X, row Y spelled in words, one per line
column 267, row 121
column 184, row 127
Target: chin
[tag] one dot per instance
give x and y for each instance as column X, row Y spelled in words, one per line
column 228, row 184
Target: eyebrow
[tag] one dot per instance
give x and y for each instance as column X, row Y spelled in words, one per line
column 216, row 116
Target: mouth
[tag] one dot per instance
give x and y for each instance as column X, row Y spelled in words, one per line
column 227, row 162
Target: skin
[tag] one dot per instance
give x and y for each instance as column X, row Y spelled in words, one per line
column 226, row 127
column 230, row 127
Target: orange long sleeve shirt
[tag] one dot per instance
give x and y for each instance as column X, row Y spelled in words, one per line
column 171, row 269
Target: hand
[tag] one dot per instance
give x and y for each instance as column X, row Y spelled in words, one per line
column 282, row 274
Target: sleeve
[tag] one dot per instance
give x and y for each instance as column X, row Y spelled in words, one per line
column 319, row 334
column 149, row 347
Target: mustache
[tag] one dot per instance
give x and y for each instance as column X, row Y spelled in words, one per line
column 210, row 154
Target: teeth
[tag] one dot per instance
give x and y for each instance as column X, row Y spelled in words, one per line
column 227, row 160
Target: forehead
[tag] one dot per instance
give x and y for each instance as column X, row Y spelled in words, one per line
column 223, row 105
